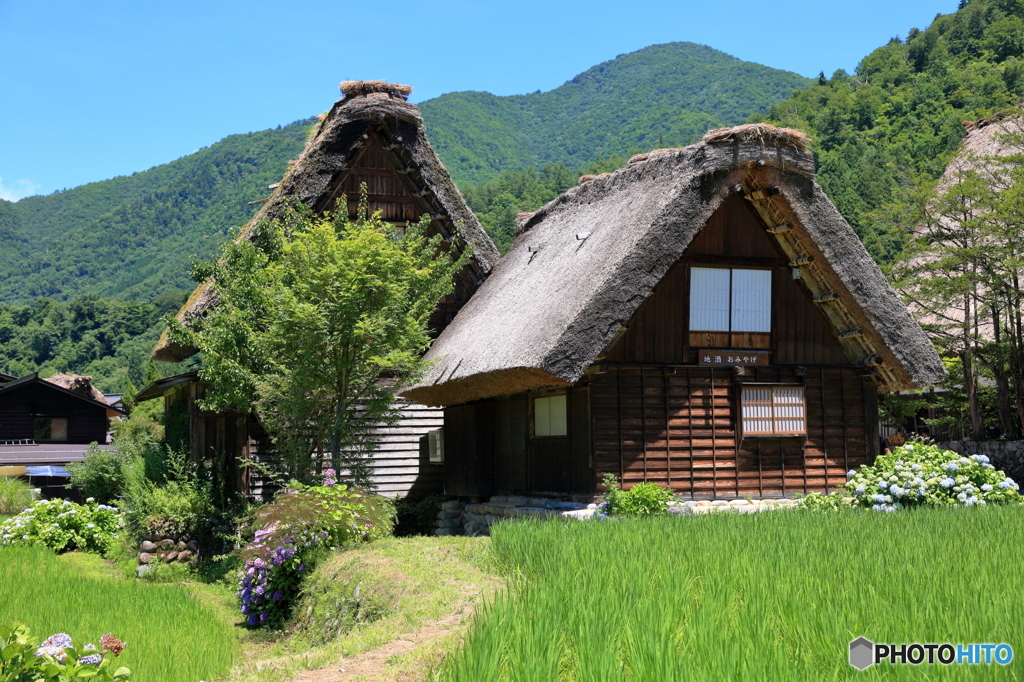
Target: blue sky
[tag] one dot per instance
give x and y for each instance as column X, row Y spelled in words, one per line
column 91, row 90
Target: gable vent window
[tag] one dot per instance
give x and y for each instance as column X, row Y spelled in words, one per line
column 730, row 300
column 549, row 416
column 774, row 411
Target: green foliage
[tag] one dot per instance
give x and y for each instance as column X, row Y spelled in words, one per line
column 103, row 474
column 22, row 659
column 681, row 598
column 918, row 474
column 105, row 338
column 170, row 635
column 897, row 119
column 63, row 525
column 834, row 501
column 315, row 323
column 660, row 96
column 643, row 499
column 295, row 533
column 132, row 237
column 181, row 503
column 416, row 515
column 15, row 495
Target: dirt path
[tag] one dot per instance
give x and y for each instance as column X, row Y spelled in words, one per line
column 376, row 664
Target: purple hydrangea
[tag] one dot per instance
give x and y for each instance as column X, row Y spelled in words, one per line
column 91, row 659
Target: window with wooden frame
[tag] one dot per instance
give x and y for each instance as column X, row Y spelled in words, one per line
column 51, row 428
column 730, row 300
column 549, row 416
column 773, row 411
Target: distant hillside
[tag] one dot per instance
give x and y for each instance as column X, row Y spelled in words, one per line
column 132, row 237
column 896, row 121
column 662, row 95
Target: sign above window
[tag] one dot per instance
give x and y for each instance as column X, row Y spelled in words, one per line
column 730, row 300
column 732, row 358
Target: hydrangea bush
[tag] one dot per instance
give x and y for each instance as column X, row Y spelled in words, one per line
column 922, row 474
column 62, row 526
column 56, row 659
column 294, row 533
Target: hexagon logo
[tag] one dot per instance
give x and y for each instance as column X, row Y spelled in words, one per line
column 862, row 653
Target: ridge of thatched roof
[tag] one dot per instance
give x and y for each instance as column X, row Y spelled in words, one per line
column 583, row 264
column 368, row 105
column 77, row 383
column 353, row 88
column 759, row 133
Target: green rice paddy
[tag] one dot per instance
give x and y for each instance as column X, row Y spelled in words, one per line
column 171, row 637
column 770, row 596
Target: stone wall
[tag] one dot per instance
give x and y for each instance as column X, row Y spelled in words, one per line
column 1005, row 455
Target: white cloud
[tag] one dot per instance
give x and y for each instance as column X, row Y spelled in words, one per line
column 19, row 189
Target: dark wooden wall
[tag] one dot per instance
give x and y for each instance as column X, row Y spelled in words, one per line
column 677, row 427
column 490, row 449
column 735, row 235
column 87, row 422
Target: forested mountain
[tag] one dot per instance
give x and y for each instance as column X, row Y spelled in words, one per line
column 896, row 121
column 132, row 237
column 662, row 95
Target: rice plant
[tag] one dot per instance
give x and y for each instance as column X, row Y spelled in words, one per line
column 770, row 596
column 170, row 636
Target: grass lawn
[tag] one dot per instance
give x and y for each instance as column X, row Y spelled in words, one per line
column 770, row 596
column 171, row 636
column 363, row 598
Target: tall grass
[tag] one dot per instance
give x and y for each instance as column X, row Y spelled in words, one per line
column 171, row 638
column 771, row 596
column 15, row 495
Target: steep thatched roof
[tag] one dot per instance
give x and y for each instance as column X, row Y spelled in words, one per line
column 584, row 263
column 380, row 108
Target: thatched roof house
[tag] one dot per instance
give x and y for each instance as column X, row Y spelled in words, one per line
column 582, row 266
column 372, row 135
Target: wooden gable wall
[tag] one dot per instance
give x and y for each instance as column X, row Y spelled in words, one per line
column 389, row 192
column 659, row 417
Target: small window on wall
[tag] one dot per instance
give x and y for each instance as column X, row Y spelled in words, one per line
column 774, row 411
column 51, row 428
column 730, row 300
column 549, row 416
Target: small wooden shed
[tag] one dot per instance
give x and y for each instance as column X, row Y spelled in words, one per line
column 372, row 135
column 702, row 318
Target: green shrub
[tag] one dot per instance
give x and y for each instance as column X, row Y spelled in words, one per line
column 919, row 474
column 15, row 495
column 643, row 499
column 416, row 515
column 294, row 533
column 834, row 501
column 62, row 526
column 56, row 659
column 103, row 474
column 181, row 504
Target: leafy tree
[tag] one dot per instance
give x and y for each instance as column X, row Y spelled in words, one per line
column 317, row 320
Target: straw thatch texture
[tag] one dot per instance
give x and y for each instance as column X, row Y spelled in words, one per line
column 583, row 264
column 759, row 133
column 337, row 141
column 77, row 383
column 354, row 88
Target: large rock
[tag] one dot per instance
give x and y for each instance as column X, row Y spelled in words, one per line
column 147, row 546
column 145, row 558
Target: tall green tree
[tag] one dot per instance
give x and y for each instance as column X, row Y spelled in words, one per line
column 318, row 320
